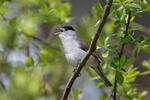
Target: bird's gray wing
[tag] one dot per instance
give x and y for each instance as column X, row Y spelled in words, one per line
column 84, row 46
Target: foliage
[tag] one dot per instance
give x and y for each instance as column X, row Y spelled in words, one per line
column 34, row 66
column 29, row 64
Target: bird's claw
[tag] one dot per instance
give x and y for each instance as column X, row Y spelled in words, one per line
column 75, row 70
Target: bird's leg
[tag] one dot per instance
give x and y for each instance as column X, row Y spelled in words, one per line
column 75, row 70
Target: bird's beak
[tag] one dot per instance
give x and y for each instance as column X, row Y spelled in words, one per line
column 57, row 31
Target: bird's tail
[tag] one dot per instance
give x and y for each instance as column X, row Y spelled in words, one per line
column 99, row 71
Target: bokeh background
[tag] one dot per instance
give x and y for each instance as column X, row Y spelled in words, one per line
column 32, row 64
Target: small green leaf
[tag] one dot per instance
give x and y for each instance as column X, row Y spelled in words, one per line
column 124, row 70
column 124, row 40
column 139, row 39
column 134, row 6
column 146, row 64
column 102, row 98
column 29, row 60
column 132, row 18
column 114, row 65
column 122, row 61
column 106, row 53
column 116, row 59
column 3, row 9
column 129, row 61
column 136, row 51
column 77, row 94
column 119, row 77
column 117, row 22
column 145, row 42
column 135, row 28
column 146, row 48
column 106, row 41
column 97, row 6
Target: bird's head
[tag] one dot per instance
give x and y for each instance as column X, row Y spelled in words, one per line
column 65, row 31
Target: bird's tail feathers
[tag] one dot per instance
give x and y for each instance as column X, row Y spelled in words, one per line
column 99, row 71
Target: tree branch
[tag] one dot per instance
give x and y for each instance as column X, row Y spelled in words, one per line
column 120, row 54
column 38, row 39
column 88, row 54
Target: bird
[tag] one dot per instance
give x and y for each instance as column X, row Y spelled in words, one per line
column 75, row 49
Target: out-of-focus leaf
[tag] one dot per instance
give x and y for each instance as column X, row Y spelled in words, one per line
column 102, row 98
column 114, row 65
column 124, row 40
column 134, row 6
column 146, row 48
column 29, row 60
column 132, row 18
column 77, row 94
column 135, row 28
column 122, row 61
column 146, row 63
column 139, row 39
column 3, row 9
column 145, row 42
column 119, row 77
column 28, row 25
column 136, row 51
column 106, row 53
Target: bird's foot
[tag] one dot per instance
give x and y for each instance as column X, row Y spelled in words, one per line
column 75, row 71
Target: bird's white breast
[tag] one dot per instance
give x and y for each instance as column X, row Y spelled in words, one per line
column 73, row 52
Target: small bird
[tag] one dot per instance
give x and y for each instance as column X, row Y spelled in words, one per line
column 75, row 49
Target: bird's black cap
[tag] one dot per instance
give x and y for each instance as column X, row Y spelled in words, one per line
column 68, row 28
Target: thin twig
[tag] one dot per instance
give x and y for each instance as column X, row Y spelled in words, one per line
column 120, row 55
column 38, row 39
column 88, row 54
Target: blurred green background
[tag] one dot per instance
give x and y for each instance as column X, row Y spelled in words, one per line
column 32, row 64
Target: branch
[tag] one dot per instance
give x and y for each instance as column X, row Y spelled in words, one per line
column 88, row 54
column 120, row 55
column 38, row 39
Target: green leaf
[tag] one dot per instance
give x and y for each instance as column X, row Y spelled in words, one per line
column 122, row 61
column 106, row 41
column 77, row 94
column 136, row 51
column 145, row 42
column 129, row 61
column 135, row 28
column 139, row 39
column 124, row 70
column 146, row 48
column 114, row 65
column 119, row 77
column 97, row 6
column 29, row 60
column 105, row 54
column 102, row 98
column 134, row 6
column 146, row 63
column 3, row 9
column 117, row 22
column 132, row 18
column 124, row 40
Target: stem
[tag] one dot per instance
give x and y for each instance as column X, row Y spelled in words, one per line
column 120, row 54
column 88, row 54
